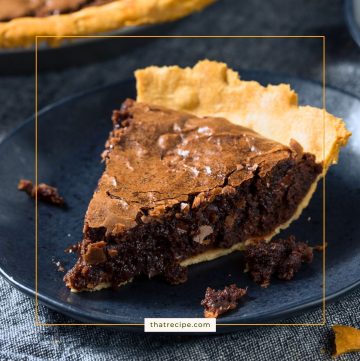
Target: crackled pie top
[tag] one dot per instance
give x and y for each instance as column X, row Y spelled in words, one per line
column 159, row 157
column 211, row 88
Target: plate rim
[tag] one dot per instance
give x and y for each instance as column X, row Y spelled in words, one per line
column 77, row 313
column 351, row 23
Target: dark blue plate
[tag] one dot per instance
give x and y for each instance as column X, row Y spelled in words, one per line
column 71, row 137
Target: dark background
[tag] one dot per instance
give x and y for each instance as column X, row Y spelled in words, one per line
column 20, row 340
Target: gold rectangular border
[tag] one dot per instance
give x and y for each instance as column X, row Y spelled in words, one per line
column 323, row 37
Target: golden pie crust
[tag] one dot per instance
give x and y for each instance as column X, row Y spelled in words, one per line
column 21, row 32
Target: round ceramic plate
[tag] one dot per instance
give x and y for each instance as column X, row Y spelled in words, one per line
column 71, row 136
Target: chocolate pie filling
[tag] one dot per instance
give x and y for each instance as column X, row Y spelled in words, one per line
column 11, row 9
column 176, row 186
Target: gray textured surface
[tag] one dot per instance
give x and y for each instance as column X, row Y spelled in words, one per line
column 20, row 340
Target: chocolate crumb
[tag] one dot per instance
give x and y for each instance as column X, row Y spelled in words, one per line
column 281, row 258
column 217, row 302
column 45, row 193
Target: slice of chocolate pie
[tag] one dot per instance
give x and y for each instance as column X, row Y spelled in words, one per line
column 184, row 185
column 179, row 189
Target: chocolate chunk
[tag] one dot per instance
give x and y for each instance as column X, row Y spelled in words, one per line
column 217, row 302
column 95, row 253
column 45, row 193
column 281, row 258
column 201, row 235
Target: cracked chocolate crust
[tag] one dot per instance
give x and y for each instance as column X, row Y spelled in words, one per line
column 176, row 186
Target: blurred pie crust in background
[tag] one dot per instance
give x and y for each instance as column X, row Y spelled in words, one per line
column 22, row 20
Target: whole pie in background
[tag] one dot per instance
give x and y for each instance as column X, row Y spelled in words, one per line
column 22, row 20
